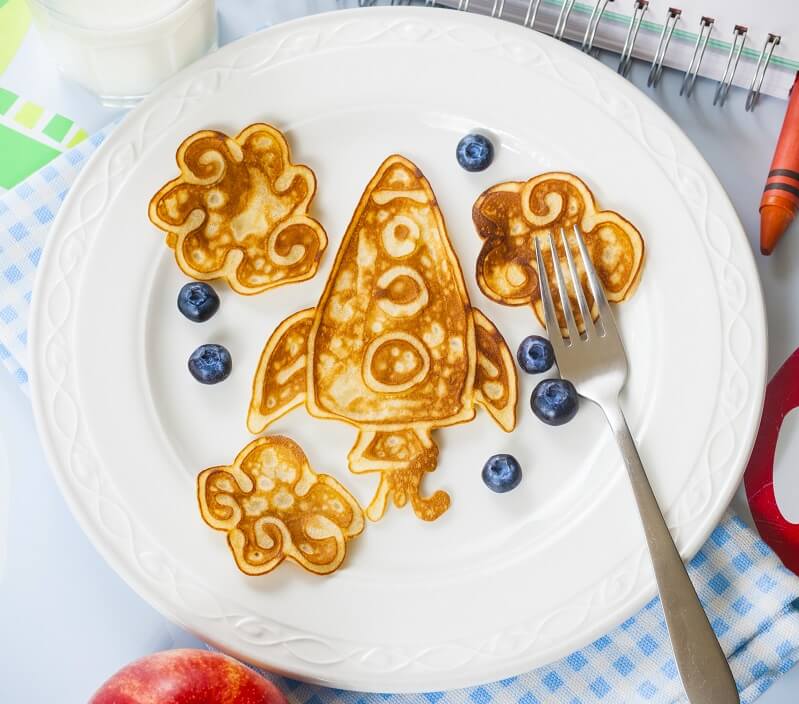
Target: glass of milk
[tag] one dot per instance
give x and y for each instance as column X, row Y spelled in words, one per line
column 121, row 49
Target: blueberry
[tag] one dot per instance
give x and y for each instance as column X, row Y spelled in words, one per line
column 555, row 401
column 502, row 473
column 475, row 152
column 198, row 301
column 535, row 354
column 210, row 364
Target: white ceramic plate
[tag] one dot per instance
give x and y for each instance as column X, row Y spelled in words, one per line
column 501, row 583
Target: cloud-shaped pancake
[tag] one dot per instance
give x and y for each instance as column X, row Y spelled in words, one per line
column 509, row 216
column 238, row 211
column 273, row 506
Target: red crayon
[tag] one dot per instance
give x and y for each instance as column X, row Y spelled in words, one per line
column 780, row 200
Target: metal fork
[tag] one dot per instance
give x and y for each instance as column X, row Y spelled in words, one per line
column 597, row 366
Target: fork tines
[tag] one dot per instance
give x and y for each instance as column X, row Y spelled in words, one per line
column 598, row 293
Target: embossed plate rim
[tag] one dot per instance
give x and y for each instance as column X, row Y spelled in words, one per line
column 79, row 473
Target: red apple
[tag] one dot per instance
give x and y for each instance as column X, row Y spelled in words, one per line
column 187, row 676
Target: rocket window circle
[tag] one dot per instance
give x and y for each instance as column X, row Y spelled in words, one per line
column 400, row 236
column 395, row 362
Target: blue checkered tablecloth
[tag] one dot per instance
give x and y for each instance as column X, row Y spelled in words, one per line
column 26, row 214
column 751, row 599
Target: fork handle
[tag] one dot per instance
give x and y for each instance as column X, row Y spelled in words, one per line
column 700, row 660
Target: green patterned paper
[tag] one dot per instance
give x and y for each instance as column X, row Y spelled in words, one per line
column 30, row 134
column 14, row 20
column 21, row 156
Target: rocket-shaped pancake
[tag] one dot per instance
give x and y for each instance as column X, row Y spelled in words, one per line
column 394, row 346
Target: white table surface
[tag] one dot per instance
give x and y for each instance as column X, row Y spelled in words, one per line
column 67, row 621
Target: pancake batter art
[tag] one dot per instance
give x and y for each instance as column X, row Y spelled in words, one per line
column 510, row 215
column 238, row 211
column 273, row 506
column 393, row 347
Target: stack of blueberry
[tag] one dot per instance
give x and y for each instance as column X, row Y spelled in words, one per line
column 209, row 363
column 554, row 401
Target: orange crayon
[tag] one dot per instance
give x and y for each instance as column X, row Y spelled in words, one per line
column 780, row 201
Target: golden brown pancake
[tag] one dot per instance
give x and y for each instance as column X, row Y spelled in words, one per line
column 273, row 506
column 238, row 211
column 509, row 216
column 393, row 347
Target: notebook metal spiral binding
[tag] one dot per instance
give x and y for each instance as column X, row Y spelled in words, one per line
column 689, row 80
column 496, row 9
column 757, row 80
column 626, row 61
column 531, row 14
column 723, row 87
column 656, row 69
column 563, row 18
column 587, row 44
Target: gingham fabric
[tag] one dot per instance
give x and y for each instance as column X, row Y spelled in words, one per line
column 751, row 599
column 26, row 214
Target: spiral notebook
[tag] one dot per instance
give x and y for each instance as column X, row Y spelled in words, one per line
column 753, row 44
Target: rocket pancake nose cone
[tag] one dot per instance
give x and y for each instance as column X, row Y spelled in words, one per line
column 395, row 314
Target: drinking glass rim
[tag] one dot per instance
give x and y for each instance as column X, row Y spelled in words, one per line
column 175, row 7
